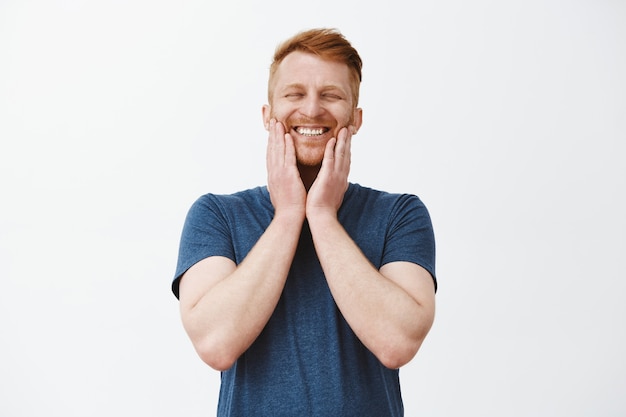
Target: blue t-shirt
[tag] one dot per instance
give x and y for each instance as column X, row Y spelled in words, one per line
column 307, row 361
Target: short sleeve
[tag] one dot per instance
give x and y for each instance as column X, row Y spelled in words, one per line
column 410, row 236
column 205, row 233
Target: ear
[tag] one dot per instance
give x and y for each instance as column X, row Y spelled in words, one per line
column 357, row 119
column 267, row 113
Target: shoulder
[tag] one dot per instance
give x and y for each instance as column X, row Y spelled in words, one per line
column 257, row 196
column 383, row 200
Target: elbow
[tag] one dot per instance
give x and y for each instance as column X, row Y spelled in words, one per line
column 211, row 345
column 394, row 362
column 216, row 355
column 398, row 350
column 395, row 357
column 395, row 352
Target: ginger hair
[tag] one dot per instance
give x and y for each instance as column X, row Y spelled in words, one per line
column 328, row 44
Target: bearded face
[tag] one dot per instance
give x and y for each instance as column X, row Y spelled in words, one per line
column 312, row 97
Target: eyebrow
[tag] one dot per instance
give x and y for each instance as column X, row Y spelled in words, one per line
column 293, row 85
column 327, row 87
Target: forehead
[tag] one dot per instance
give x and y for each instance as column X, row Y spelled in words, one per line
column 311, row 70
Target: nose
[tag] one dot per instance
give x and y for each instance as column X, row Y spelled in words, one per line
column 311, row 106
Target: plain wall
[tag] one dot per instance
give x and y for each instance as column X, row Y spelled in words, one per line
column 508, row 119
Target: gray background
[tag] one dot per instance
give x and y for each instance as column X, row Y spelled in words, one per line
column 507, row 118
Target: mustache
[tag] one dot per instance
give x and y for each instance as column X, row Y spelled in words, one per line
column 303, row 121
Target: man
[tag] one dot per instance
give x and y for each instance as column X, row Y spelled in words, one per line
column 309, row 293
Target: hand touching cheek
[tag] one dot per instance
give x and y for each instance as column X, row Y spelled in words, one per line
column 285, row 186
column 326, row 193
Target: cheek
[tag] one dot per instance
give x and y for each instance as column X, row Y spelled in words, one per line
column 347, row 118
column 279, row 113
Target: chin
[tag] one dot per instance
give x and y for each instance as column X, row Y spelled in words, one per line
column 310, row 154
column 309, row 162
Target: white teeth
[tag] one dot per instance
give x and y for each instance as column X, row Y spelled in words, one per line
column 310, row 132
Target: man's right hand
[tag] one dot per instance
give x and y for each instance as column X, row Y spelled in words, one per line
column 225, row 306
column 285, row 186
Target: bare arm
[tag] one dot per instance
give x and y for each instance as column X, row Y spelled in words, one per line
column 224, row 307
column 391, row 310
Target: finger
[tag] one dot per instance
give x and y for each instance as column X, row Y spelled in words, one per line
column 342, row 149
column 329, row 154
column 290, row 151
column 276, row 144
column 270, row 140
column 348, row 151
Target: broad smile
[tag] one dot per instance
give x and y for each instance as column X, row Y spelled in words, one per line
column 310, row 131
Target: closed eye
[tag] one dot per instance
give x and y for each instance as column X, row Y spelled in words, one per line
column 332, row 96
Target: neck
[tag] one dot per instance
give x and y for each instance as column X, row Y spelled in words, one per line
column 308, row 174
